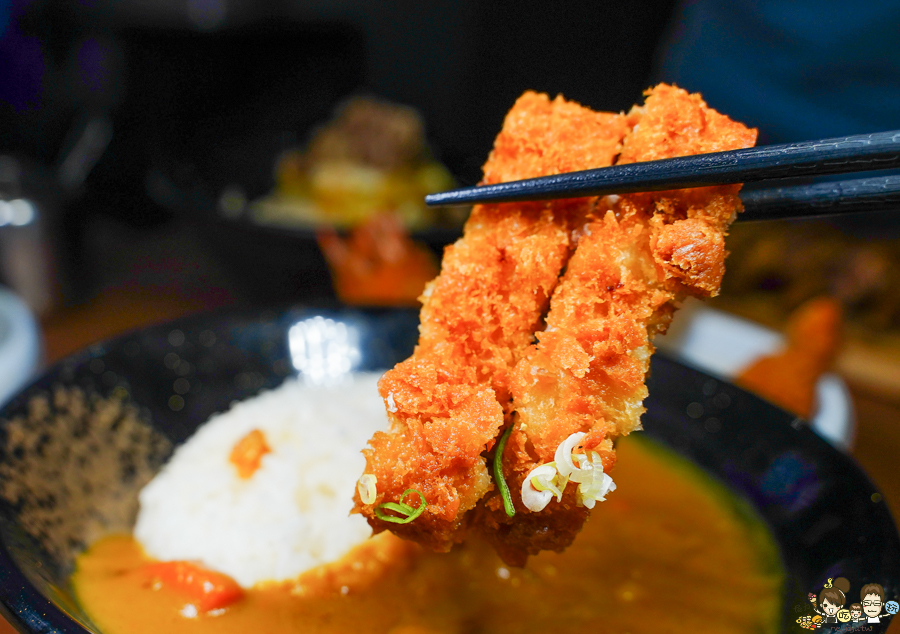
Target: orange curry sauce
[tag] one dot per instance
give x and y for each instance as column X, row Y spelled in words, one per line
column 669, row 551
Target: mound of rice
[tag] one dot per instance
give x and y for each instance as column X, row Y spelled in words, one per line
column 292, row 514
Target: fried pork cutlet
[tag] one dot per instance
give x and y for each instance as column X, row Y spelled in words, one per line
column 447, row 403
column 636, row 259
column 477, row 370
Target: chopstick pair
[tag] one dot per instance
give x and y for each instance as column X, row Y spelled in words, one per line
column 857, row 153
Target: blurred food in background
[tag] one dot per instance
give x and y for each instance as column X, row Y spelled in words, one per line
column 775, row 267
column 202, row 97
column 725, row 345
column 371, row 157
column 379, row 264
column 788, row 378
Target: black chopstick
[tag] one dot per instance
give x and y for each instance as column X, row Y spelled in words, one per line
column 880, row 150
column 833, row 198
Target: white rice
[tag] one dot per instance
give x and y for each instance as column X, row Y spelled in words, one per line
column 293, row 513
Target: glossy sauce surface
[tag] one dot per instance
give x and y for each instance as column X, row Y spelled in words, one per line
column 669, row 551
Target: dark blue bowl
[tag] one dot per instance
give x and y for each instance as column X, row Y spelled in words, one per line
column 78, row 444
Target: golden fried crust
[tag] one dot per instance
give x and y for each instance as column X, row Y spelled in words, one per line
column 494, row 284
column 674, row 123
column 446, row 403
column 542, row 137
column 633, row 264
column 692, row 252
column 442, row 421
column 586, row 374
column 476, row 369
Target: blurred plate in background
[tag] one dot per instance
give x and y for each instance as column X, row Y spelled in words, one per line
column 723, row 344
column 20, row 345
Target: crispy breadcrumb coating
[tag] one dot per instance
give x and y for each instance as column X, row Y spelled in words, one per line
column 636, row 260
column 478, row 369
column 447, row 403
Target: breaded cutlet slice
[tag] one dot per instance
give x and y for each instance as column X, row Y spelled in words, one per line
column 637, row 258
column 447, row 403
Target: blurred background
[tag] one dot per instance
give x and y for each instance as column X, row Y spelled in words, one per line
column 161, row 157
column 142, row 131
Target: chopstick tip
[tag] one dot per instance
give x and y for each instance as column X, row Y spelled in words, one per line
column 444, row 199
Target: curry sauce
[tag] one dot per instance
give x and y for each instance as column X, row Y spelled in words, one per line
column 670, row 551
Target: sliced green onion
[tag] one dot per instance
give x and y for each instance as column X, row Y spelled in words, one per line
column 408, row 512
column 537, row 485
column 498, row 474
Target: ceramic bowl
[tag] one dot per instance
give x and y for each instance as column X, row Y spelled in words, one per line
column 77, row 445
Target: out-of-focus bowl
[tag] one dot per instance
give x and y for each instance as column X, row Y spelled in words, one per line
column 723, row 344
column 81, row 440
